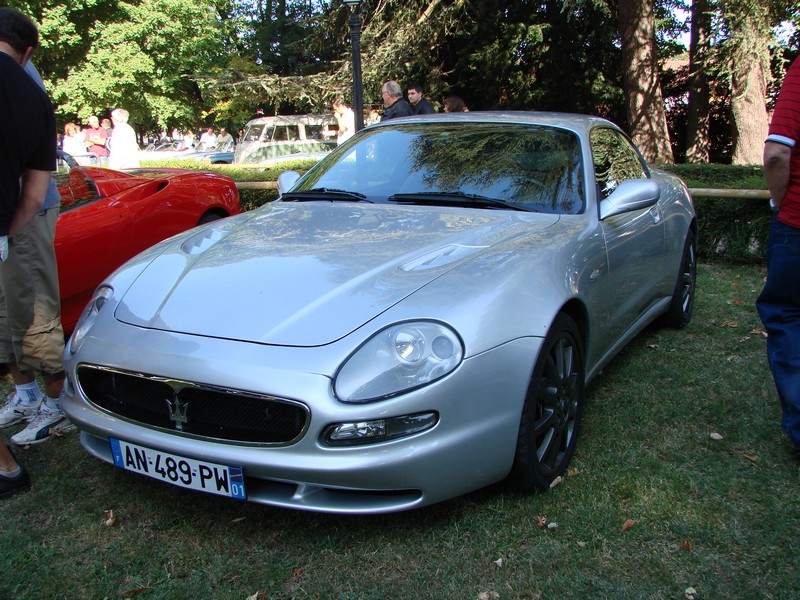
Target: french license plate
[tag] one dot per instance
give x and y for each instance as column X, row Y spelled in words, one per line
column 179, row 470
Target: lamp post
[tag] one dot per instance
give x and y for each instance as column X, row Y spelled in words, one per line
column 355, row 39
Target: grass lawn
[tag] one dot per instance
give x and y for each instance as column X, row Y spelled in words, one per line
column 681, row 480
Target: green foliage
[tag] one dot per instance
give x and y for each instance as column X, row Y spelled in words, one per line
column 103, row 54
column 722, row 177
column 734, row 230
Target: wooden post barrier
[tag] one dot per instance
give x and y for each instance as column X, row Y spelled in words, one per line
column 257, row 185
column 739, row 194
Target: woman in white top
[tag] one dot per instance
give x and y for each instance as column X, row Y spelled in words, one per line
column 73, row 141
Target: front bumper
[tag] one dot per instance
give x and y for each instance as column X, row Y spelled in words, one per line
column 472, row 445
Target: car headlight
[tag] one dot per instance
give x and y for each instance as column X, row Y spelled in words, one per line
column 398, row 359
column 89, row 316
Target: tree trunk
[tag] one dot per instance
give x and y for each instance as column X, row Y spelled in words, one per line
column 644, row 102
column 749, row 67
column 697, row 119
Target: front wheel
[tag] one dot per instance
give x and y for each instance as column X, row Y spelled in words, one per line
column 553, row 408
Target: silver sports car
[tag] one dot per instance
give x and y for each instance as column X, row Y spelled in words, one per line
column 415, row 318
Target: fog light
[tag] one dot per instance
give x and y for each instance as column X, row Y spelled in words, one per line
column 378, row 430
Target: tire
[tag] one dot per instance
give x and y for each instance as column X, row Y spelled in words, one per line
column 209, row 217
column 553, row 408
column 681, row 308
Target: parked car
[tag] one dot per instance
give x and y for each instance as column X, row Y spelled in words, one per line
column 223, row 154
column 110, row 216
column 268, row 138
column 415, row 318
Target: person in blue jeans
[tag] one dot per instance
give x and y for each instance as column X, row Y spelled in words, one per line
column 779, row 302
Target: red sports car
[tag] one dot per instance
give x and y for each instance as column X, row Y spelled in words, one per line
column 110, row 216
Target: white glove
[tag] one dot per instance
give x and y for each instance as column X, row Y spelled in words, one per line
column 3, row 248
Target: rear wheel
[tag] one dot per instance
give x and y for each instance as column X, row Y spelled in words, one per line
column 682, row 305
column 553, row 408
column 209, row 217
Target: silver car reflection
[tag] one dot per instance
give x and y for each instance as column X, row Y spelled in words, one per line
column 415, row 318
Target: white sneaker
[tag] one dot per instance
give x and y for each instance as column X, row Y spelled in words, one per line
column 42, row 427
column 15, row 411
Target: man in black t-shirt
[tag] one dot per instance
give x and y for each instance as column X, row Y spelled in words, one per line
column 419, row 105
column 30, row 340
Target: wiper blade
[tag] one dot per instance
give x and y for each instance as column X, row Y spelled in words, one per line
column 323, row 194
column 457, row 198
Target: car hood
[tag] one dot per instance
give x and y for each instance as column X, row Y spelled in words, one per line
column 307, row 274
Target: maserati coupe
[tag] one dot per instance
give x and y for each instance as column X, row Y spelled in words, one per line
column 414, row 318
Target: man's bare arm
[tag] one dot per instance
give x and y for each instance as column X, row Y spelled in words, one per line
column 776, row 170
column 34, row 189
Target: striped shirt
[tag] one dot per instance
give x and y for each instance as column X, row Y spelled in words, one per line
column 785, row 129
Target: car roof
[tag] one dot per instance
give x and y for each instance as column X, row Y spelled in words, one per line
column 571, row 121
column 293, row 120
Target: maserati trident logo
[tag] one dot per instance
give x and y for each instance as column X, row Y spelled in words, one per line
column 177, row 413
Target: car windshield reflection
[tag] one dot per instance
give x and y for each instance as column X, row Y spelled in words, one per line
column 520, row 167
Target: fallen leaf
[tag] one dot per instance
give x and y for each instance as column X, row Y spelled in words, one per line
column 540, row 521
column 746, row 338
column 134, row 592
column 572, row 471
column 653, row 346
column 735, row 301
column 582, row 544
column 55, row 432
column 296, row 572
column 686, row 545
column 556, row 481
column 690, row 593
column 716, row 436
column 108, row 518
column 499, row 563
column 750, row 457
column 488, row 595
column 627, row 525
column 552, row 525
column 239, row 520
column 730, row 324
column 258, row 596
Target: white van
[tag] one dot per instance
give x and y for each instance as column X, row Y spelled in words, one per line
column 266, row 138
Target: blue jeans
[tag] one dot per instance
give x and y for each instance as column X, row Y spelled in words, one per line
column 779, row 308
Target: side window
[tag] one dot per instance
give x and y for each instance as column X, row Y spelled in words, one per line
column 615, row 160
column 286, row 133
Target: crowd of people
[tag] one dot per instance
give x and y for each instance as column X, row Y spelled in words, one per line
column 110, row 142
column 394, row 106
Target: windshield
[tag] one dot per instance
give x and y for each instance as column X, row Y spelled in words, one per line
column 254, row 132
column 528, row 167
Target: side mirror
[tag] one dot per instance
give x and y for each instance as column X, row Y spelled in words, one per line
column 286, row 181
column 634, row 194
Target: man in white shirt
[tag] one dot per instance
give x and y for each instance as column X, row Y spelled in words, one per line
column 208, row 140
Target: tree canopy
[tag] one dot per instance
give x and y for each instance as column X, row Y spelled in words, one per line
column 181, row 63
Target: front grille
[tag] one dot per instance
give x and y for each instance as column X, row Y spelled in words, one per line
column 192, row 409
